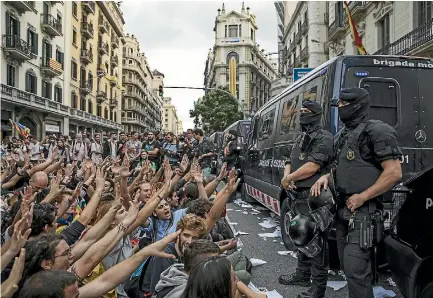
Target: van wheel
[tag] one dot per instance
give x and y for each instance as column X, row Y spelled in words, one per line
column 427, row 292
column 284, row 224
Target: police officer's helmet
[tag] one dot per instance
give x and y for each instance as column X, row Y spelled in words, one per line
column 322, row 208
column 304, row 233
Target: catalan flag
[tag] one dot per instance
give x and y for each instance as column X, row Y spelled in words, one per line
column 355, row 36
column 22, row 130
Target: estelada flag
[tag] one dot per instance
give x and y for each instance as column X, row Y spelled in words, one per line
column 22, row 130
column 355, row 36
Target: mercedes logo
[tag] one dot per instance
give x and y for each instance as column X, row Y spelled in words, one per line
column 420, row 136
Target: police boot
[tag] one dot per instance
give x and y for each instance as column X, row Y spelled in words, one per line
column 313, row 292
column 294, row 279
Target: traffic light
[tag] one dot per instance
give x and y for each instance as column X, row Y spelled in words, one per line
column 161, row 91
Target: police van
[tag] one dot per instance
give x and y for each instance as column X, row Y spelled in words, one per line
column 401, row 92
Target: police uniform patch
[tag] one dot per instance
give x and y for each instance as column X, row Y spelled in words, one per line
column 302, row 156
column 350, row 154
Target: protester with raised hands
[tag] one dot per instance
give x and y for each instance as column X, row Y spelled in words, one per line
column 65, row 284
column 10, row 285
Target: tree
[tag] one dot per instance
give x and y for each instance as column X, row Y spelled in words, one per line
column 217, row 109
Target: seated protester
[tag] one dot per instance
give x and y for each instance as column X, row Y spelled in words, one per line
column 65, row 284
column 174, row 279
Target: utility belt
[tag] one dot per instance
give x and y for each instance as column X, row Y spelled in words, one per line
column 371, row 227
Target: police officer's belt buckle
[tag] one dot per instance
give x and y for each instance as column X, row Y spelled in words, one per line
column 350, row 154
column 302, row 156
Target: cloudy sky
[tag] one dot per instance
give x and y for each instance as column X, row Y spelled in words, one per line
column 176, row 37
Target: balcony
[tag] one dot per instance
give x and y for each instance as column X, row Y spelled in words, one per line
column 31, row 101
column 85, row 117
column 22, row 6
column 357, row 9
column 415, row 42
column 103, row 25
column 336, row 30
column 113, row 80
column 88, row 6
column 304, row 54
column 51, row 25
column 131, row 120
column 114, row 103
column 114, row 41
column 103, row 48
column 101, row 97
column 51, row 67
column 87, row 29
column 16, row 48
column 85, row 87
column 114, row 61
column 304, row 27
column 298, row 37
column 86, row 56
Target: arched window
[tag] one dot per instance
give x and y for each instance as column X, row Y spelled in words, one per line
column 31, row 82
column 232, row 55
column 58, row 93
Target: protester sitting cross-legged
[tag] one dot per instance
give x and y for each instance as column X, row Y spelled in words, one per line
column 65, row 284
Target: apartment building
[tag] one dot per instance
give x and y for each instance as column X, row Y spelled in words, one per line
column 96, row 39
column 170, row 120
column 235, row 38
column 386, row 27
column 141, row 106
column 33, row 74
column 158, row 80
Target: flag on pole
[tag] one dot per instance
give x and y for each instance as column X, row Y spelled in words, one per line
column 355, row 36
column 22, row 130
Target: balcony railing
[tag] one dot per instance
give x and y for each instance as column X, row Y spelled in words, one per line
column 16, row 47
column 304, row 26
column 304, row 53
column 357, row 8
column 87, row 29
column 114, row 103
column 88, row 6
column 114, row 41
column 103, row 48
column 335, row 30
column 51, row 67
column 103, row 25
column 115, row 60
column 421, row 37
column 85, row 87
column 51, row 25
column 101, row 97
column 86, row 56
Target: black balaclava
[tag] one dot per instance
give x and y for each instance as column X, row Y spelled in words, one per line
column 356, row 111
column 310, row 121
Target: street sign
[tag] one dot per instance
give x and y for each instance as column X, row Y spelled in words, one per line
column 298, row 73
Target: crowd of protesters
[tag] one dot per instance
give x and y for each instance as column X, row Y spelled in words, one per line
column 130, row 216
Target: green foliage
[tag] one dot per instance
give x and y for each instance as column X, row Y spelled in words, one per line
column 217, row 109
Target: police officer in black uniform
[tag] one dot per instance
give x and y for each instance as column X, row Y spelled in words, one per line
column 231, row 152
column 309, row 158
column 366, row 165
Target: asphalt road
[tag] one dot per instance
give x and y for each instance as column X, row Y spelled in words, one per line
column 266, row 276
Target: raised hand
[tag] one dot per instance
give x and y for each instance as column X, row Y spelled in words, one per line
column 223, row 172
column 233, row 184
column 184, row 164
column 132, row 214
column 100, row 179
column 157, row 249
column 10, row 286
column 20, row 235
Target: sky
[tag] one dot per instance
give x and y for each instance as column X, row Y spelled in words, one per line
column 176, row 37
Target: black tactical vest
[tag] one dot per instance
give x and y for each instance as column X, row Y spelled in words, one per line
column 298, row 158
column 353, row 173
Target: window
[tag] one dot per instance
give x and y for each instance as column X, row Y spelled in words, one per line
column 289, row 114
column 31, row 82
column 74, row 9
column 60, row 57
column 90, row 107
column 385, row 31
column 99, row 110
column 310, row 94
column 32, row 40
column 252, row 34
column 233, row 30
column 12, row 25
column 267, row 124
column 74, row 36
column 58, row 93
column 10, row 75
column 106, row 113
column 74, row 100
column 425, row 9
column 46, row 89
column 83, row 103
column 90, row 80
column 59, row 19
column 46, row 49
column 74, row 70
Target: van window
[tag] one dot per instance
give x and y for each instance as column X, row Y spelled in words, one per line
column 267, row 125
column 310, row 94
column 289, row 115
